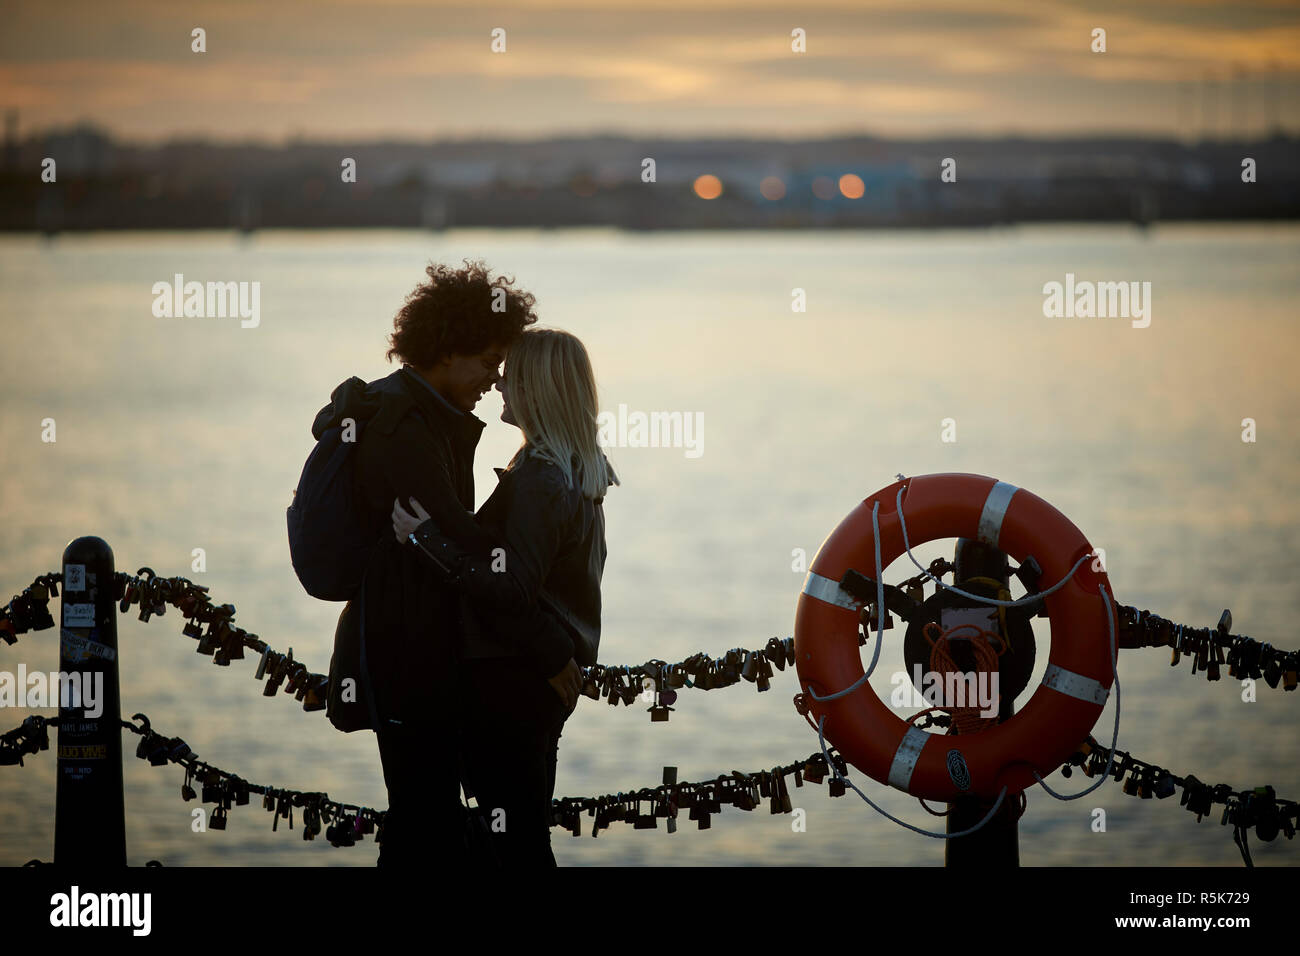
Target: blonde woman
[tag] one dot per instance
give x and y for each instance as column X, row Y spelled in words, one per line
column 519, row 680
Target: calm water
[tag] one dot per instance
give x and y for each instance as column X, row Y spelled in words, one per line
column 175, row 434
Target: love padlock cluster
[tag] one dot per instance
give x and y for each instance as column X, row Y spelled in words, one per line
column 31, row 737
column 29, row 611
column 702, row 801
column 218, row 636
column 1259, row 809
column 213, row 627
column 659, row 681
column 1210, row 649
column 347, row 824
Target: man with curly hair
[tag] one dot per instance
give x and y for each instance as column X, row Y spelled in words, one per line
column 452, row 335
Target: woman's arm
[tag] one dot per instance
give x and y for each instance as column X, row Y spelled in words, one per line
column 508, row 576
column 506, row 581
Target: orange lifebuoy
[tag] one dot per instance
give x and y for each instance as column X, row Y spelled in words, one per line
column 1058, row 716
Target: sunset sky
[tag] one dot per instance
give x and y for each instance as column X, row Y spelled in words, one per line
column 276, row 70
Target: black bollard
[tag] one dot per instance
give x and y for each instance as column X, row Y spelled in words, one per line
column 997, row 843
column 89, row 817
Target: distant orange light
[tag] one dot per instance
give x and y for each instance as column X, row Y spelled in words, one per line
column 708, row 186
column 852, row 186
column 772, row 188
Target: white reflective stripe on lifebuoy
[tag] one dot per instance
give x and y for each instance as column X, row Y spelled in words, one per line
column 995, row 509
column 1075, row 685
column 824, row 589
column 905, row 758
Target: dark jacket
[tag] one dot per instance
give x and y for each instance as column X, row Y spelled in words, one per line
column 554, row 556
column 414, row 447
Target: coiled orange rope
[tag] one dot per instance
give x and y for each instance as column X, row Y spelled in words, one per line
column 966, row 719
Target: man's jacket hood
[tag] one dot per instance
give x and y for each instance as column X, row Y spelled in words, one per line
column 351, row 399
column 386, row 401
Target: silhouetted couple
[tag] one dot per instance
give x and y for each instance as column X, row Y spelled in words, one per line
column 475, row 625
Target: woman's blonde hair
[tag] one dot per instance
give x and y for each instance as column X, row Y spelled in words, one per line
column 551, row 391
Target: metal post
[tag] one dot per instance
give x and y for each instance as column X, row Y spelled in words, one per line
column 90, row 819
column 997, row 843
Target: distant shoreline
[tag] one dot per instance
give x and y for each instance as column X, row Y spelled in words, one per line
column 815, row 227
column 642, row 184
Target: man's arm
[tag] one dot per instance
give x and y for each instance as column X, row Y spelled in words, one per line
column 416, row 465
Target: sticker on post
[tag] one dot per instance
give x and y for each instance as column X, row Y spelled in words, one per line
column 78, row 615
column 76, row 647
column 984, row 618
column 74, row 577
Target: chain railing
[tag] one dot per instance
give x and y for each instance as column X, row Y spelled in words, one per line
column 655, row 682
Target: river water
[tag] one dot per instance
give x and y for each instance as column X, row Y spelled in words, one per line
column 182, row 433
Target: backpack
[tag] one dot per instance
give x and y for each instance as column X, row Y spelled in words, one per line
column 330, row 546
column 330, row 542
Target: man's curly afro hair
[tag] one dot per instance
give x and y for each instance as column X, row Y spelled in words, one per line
column 452, row 314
